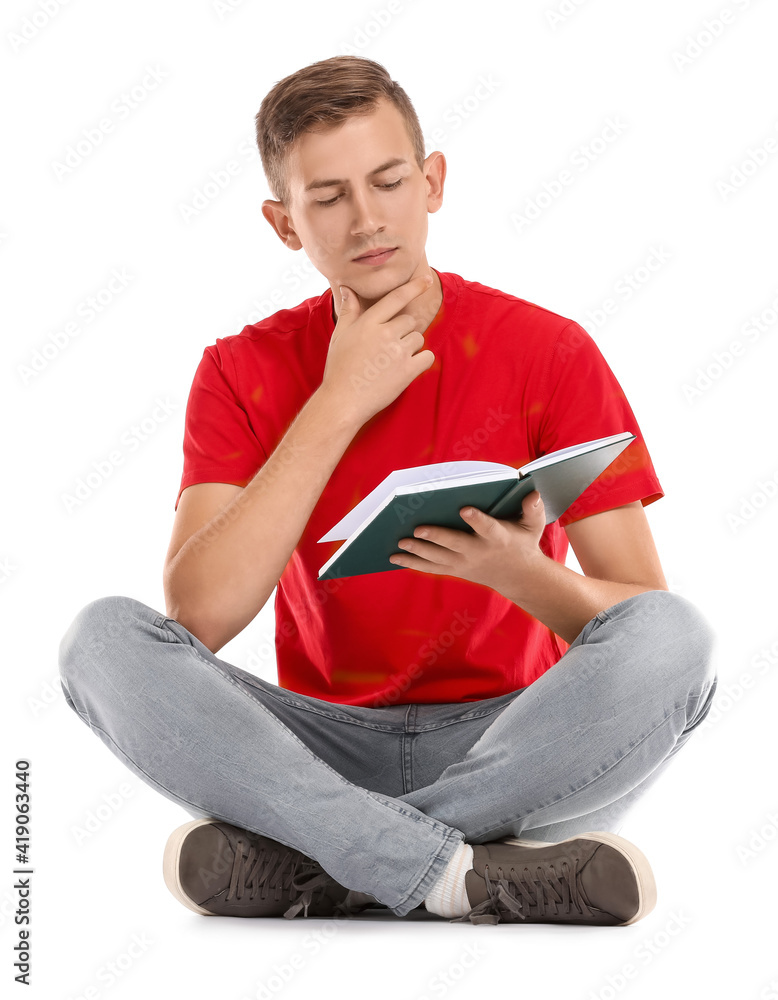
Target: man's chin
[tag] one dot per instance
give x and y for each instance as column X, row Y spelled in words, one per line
column 374, row 286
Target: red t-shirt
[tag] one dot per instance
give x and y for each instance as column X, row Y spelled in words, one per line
column 511, row 381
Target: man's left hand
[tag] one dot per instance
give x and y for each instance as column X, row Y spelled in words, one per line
column 498, row 554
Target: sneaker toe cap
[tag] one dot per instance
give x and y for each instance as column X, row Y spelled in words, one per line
column 612, row 883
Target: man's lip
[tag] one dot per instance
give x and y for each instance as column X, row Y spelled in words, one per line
column 375, row 253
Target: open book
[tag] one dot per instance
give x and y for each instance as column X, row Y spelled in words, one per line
column 434, row 494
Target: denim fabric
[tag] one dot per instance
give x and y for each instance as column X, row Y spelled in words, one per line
column 381, row 797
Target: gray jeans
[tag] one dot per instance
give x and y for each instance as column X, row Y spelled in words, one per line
column 381, row 797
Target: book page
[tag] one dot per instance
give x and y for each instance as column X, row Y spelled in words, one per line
column 418, row 475
column 577, row 449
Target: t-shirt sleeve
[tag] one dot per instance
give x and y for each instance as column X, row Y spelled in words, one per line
column 585, row 401
column 220, row 445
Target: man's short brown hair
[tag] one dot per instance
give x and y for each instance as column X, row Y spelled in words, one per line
column 322, row 96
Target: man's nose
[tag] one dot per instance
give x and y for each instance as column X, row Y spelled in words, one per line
column 367, row 218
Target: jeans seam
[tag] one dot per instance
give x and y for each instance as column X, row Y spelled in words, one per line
column 597, row 777
column 451, row 835
column 462, row 718
column 336, row 716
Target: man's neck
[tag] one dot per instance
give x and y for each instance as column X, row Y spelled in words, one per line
column 423, row 309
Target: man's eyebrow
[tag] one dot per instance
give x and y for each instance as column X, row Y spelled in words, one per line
column 396, row 162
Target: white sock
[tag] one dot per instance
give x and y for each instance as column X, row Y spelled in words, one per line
column 448, row 896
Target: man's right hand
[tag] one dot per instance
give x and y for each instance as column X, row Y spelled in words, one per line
column 374, row 353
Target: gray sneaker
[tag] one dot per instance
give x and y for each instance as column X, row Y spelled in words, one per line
column 593, row 878
column 216, row 868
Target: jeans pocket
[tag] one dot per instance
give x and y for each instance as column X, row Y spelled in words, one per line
column 591, row 626
column 168, row 634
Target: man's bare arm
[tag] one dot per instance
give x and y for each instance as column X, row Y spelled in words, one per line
column 223, row 575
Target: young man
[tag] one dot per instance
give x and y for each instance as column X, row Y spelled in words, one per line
column 465, row 731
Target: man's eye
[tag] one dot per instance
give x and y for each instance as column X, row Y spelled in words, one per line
column 385, row 187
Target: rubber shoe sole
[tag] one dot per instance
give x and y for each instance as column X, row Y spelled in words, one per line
column 171, row 865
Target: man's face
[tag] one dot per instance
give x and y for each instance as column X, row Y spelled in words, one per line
column 356, row 189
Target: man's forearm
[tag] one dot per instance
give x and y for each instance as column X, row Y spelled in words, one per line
column 223, row 575
column 564, row 600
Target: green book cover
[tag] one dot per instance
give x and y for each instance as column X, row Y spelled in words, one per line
column 434, row 494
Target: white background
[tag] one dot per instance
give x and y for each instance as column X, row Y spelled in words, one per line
column 553, row 84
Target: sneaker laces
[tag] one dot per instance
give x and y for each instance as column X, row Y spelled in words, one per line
column 262, row 871
column 521, row 895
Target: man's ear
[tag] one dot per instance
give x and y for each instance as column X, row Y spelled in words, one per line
column 276, row 214
column 435, row 175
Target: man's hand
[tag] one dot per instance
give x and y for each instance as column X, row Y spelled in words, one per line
column 494, row 556
column 375, row 354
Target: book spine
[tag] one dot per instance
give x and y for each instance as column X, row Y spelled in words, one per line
column 503, row 501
